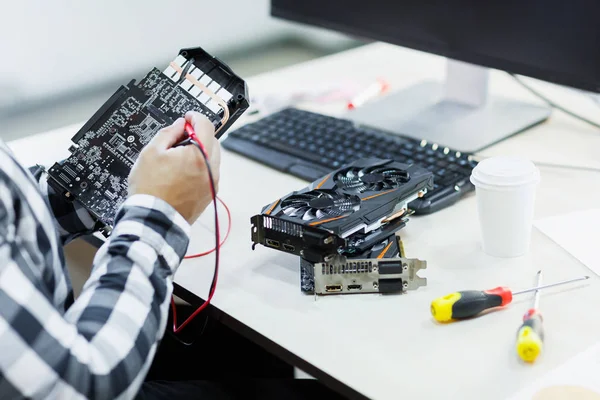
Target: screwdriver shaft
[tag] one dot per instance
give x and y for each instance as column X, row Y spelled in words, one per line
column 537, row 288
column 536, row 298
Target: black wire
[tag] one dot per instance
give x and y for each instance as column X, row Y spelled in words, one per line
column 553, row 104
column 181, row 341
column 185, row 71
column 553, row 165
column 217, row 239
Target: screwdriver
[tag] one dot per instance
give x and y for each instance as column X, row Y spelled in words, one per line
column 530, row 336
column 469, row 303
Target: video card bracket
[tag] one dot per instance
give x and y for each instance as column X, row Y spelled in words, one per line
column 368, row 276
column 388, row 271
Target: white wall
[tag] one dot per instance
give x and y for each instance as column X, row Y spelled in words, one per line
column 51, row 47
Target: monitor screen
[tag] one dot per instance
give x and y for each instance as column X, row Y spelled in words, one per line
column 553, row 40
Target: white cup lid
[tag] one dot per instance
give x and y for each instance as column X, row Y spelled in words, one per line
column 504, row 172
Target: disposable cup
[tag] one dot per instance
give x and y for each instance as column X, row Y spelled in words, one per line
column 505, row 189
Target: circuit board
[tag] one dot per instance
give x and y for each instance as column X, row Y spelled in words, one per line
column 105, row 149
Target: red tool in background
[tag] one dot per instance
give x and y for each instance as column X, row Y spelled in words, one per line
column 375, row 89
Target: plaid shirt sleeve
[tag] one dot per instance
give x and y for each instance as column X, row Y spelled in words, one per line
column 102, row 346
column 70, row 218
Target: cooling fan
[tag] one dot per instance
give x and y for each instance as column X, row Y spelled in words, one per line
column 320, row 204
column 374, row 178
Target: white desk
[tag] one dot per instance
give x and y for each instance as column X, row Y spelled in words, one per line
column 389, row 347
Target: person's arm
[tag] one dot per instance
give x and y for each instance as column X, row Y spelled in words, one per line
column 104, row 344
column 71, row 219
column 102, row 347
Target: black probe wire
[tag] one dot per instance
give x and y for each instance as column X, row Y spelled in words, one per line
column 177, row 329
column 564, row 110
column 214, row 193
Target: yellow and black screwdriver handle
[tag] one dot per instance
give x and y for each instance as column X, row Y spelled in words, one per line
column 469, row 303
column 530, row 337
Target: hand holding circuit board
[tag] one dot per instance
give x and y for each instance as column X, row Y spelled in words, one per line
column 106, row 148
column 186, row 189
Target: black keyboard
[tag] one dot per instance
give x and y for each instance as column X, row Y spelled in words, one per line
column 309, row 145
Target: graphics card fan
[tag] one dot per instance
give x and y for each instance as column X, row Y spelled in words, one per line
column 377, row 178
column 318, row 204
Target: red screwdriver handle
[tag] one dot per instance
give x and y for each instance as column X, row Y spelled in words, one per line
column 469, row 303
column 504, row 293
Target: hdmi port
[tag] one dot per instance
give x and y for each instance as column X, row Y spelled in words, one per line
column 333, row 288
column 272, row 243
column 288, row 247
column 354, row 287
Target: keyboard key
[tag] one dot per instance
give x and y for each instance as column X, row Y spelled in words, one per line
column 325, row 161
column 405, row 152
column 294, row 151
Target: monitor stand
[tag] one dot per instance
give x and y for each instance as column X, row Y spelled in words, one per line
column 458, row 113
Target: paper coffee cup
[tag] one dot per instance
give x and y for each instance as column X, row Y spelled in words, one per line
column 505, row 188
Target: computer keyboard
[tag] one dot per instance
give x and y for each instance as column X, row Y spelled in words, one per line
column 309, row 145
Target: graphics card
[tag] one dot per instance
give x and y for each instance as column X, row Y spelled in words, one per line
column 348, row 210
column 106, row 147
column 383, row 269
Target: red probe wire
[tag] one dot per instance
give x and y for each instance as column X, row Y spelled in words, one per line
column 190, row 131
column 224, row 239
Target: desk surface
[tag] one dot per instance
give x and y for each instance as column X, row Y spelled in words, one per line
column 389, row 347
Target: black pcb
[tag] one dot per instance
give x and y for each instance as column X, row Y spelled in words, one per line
column 107, row 146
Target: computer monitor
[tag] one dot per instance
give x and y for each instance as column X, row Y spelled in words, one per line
column 551, row 40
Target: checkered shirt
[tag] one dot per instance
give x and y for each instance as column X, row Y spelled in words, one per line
column 99, row 346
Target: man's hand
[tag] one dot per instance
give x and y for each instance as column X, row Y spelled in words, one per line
column 179, row 175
